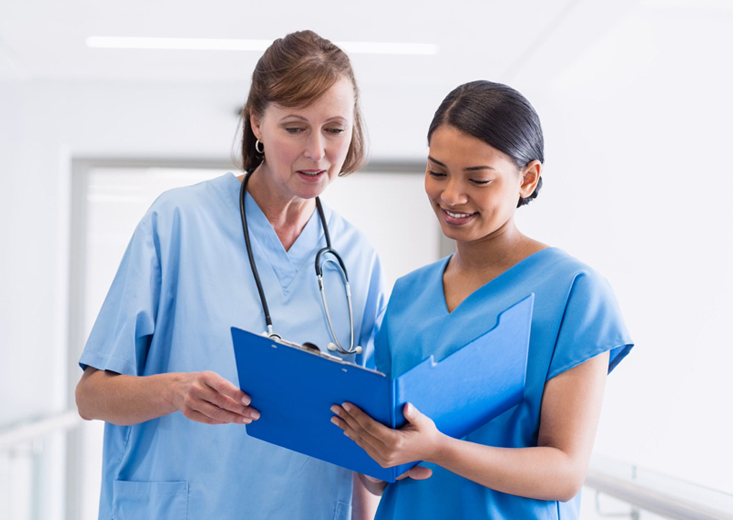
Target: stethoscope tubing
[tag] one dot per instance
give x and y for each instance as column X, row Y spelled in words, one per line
column 248, row 244
column 328, row 250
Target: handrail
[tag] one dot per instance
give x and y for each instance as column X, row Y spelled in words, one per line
column 28, row 430
column 653, row 500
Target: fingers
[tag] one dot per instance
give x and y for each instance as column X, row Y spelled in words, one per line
column 359, row 420
column 225, row 387
column 199, row 417
column 219, row 415
column 354, row 432
column 383, row 444
column 417, row 473
column 420, row 473
column 211, row 399
column 225, row 395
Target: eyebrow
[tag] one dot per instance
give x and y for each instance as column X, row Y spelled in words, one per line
column 469, row 169
column 329, row 120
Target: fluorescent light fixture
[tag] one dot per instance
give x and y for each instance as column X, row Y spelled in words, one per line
column 219, row 44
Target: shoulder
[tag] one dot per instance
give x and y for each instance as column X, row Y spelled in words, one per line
column 177, row 203
column 578, row 288
column 563, row 268
column 343, row 231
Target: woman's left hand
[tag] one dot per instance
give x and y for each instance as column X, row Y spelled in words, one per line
column 418, row 439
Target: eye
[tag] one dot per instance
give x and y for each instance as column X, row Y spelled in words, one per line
column 480, row 182
column 335, row 131
column 436, row 175
column 294, row 129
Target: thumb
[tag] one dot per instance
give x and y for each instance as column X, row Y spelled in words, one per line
column 411, row 413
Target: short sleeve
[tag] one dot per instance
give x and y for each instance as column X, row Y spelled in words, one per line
column 591, row 324
column 123, row 330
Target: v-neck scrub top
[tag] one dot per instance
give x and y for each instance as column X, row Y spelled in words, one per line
column 184, row 281
column 575, row 318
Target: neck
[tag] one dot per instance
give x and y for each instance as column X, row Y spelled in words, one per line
column 492, row 252
column 288, row 215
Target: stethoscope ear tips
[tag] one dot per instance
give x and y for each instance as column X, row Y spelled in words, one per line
column 332, row 347
column 357, row 350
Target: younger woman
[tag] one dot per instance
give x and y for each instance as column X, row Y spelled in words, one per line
column 485, row 161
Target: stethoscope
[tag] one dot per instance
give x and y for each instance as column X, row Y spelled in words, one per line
column 324, row 256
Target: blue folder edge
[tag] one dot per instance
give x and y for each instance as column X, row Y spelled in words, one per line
column 294, row 390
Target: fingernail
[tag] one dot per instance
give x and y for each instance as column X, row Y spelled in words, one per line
column 346, row 406
column 334, row 421
column 246, row 421
column 254, row 414
column 246, row 400
column 335, row 409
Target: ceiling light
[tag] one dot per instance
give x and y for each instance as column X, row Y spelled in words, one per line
column 219, row 44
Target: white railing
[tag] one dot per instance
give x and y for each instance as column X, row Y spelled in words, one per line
column 29, row 430
column 33, row 460
column 646, row 491
column 33, row 467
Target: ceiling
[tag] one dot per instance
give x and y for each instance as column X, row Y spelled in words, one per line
column 44, row 39
column 579, row 47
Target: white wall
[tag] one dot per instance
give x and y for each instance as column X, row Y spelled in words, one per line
column 637, row 182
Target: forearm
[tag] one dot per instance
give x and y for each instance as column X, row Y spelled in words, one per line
column 125, row 400
column 373, row 485
column 364, row 503
column 542, row 473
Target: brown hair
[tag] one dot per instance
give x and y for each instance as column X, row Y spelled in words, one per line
column 294, row 72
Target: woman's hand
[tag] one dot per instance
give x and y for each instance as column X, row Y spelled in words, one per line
column 419, row 439
column 208, row 398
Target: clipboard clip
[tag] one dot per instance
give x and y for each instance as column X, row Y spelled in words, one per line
column 309, row 347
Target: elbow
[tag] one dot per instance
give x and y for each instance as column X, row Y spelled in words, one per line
column 82, row 396
column 569, row 493
column 570, row 486
column 81, row 403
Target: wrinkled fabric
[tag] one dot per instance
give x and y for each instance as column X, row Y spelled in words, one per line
column 575, row 318
column 184, row 281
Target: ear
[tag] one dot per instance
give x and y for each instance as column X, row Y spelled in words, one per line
column 255, row 122
column 530, row 178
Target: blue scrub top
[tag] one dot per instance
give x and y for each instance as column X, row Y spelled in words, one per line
column 184, row 281
column 575, row 318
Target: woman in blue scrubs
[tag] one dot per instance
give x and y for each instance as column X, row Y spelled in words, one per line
column 485, row 161
column 159, row 365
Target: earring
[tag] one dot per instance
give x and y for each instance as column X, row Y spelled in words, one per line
column 259, row 147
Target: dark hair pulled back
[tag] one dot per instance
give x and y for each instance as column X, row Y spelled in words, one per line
column 294, row 72
column 498, row 115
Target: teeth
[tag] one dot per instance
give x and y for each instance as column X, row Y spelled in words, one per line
column 312, row 174
column 457, row 215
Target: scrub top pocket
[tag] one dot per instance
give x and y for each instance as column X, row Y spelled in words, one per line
column 343, row 511
column 150, row 500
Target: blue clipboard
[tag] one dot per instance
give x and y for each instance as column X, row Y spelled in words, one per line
column 294, row 389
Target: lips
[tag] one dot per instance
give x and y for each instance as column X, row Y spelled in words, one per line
column 457, row 218
column 311, row 175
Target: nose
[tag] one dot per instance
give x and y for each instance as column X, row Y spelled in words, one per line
column 453, row 193
column 315, row 147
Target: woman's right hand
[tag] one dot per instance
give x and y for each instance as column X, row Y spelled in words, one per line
column 208, row 398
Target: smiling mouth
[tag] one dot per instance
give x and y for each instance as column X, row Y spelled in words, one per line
column 311, row 173
column 456, row 218
column 457, row 215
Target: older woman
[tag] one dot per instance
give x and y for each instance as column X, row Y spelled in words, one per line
column 485, row 160
column 159, row 363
